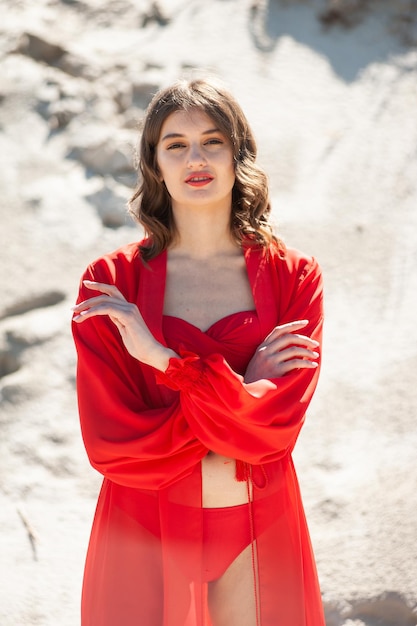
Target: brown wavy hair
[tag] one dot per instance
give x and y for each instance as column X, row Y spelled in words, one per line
column 151, row 204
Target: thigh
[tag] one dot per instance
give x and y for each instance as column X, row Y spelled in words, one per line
column 231, row 598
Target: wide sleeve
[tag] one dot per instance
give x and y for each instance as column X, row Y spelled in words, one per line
column 133, row 434
column 257, row 422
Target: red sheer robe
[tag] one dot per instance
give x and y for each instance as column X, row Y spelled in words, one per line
column 147, row 431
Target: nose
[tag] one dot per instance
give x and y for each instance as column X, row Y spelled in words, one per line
column 196, row 157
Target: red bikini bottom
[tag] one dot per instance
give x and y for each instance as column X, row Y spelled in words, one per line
column 227, row 531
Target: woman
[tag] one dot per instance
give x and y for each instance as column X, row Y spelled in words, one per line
column 198, row 354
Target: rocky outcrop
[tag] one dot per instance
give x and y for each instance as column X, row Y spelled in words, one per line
column 388, row 609
column 400, row 17
column 348, row 13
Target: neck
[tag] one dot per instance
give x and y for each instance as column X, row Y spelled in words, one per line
column 203, row 233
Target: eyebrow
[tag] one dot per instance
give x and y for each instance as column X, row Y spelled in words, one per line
column 211, row 131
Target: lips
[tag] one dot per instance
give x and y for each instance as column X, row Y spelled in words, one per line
column 199, row 179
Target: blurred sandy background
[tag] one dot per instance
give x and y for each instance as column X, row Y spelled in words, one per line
column 330, row 88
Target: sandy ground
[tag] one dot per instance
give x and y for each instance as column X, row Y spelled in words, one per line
column 335, row 116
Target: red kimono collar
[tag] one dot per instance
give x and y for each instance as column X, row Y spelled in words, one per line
column 259, row 268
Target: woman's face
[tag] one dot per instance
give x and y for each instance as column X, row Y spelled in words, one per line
column 195, row 161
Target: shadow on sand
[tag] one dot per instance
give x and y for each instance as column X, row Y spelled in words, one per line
column 377, row 35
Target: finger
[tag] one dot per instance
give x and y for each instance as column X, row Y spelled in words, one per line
column 291, row 354
column 114, row 308
column 90, row 302
column 88, row 313
column 296, row 364
column 110, row 290
column 280, row 342
column 297, row 352
column 289, row 327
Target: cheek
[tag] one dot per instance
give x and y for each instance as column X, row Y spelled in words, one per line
column 231, row 162
column 232, row 168
column 159, row 167
column 165, row 175
column 224, row 160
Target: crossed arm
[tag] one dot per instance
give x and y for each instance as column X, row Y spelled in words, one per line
column 281, row 352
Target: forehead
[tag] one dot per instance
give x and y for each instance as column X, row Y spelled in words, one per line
column 187, row 122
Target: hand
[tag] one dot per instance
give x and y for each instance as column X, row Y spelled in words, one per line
column 136, row 336
column 281, row 352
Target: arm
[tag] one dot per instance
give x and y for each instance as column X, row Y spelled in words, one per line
column 258, row 421
column 255, row 422
column 136, row 337
column 134, row 433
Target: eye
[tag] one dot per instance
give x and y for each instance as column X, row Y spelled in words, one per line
column 213, row 142
column 175, row 146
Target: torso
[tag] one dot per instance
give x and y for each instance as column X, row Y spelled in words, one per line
column 202, row 292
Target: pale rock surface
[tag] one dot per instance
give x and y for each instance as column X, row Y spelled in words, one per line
column 334, row 111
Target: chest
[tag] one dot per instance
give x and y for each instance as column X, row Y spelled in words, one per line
column 202, row 292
